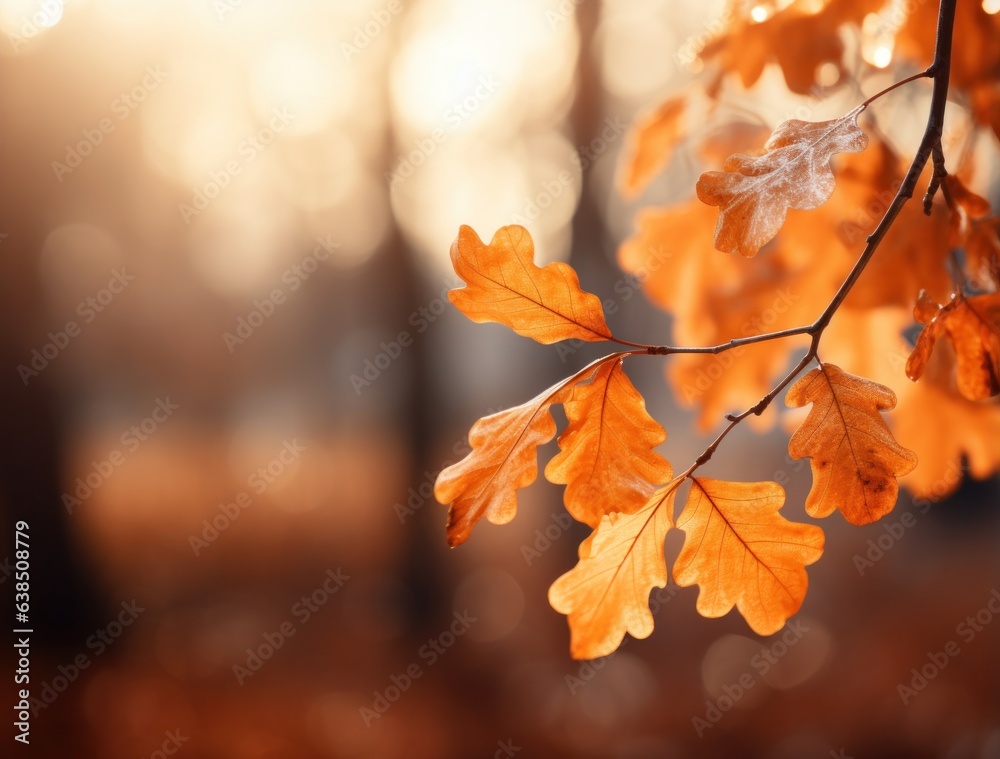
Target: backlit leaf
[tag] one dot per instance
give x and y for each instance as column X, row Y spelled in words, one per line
column 742, row 553
column 755, row 193
column 503, row 285
column 855, row 459
column 651, row 143
column 972, row 325
column 606, row 457
column 503, row 459
column 607, row 593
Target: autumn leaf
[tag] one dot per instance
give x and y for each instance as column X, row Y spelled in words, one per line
column 755, row 192
column 802, row 36
column 607, row 593
column 972, row 325
column 741, row 552
column 855, row 459
column 606, row 457
column 503, row 285
column 651, row 143
column 948, row 433
column 975, row 229
column 503, row 459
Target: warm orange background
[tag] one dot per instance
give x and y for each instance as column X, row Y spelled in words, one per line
column 392, row 124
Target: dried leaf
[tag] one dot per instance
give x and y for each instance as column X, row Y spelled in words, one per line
column 855, row 460
column 607, row 593
column 946, row 431
column 755, row 193
column 975, row 229
column 606, row 457
column 651, row 142
column 801, row 37
column 503, row 285
column 503, row 459
column 743, row 553
column 972, row 325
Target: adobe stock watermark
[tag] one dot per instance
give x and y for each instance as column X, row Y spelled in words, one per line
column 264, row 308
column 690, row 50
column 560, row 524
column 374, row 365
column 562, row 13
column 922, row 675
column 586, row 155
column 895, row 529
column 171, row 744
column 552, row 190
column 121, row 107
column 761, row 663
column 365, row 34
column 224, row 8
column 453, row 118
column 589, row 669
column 428, row 654
column 302, row 610
column 219, row 179
column 720, row 363
column 46, row 15
column 88, row 310
column 131, row 439
column 99, row 642
column 417, row 497
column 506, row 749
column 259, row 481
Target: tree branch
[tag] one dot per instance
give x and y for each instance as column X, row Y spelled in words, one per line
column 930, row 147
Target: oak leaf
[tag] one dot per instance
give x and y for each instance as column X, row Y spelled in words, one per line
column 975, row 229
column 802, row 36
column 606, row 457
column 503, row 459
column 855, row 460
column 754, row 193
column 503, row 285
column 743, row 553
column 972, row 325
column 948, row 433
column 607, row 593
column 651, row 142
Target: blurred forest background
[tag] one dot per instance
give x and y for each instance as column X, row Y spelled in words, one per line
column 245, row 210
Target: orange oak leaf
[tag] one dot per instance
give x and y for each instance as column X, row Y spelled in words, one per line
column 743, row 553
column 801, row 36
column 972, row 325
column 607, row 593
column 977, row 230
column 855, row 459
column 949, row 433
column 755, row 192
column 651, row 142
column 503, row 459
column 606, row 458
column 503, row 285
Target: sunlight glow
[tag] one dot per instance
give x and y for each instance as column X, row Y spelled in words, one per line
column 23, row 20
column 466, row 79
column 991, row 6
column 883, row 56
column 759, row 13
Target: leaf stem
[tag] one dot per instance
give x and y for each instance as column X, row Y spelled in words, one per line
column 923, row 74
